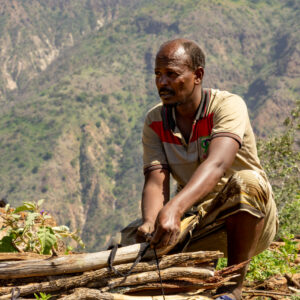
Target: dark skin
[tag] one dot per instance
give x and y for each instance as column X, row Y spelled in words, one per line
column 178, row 83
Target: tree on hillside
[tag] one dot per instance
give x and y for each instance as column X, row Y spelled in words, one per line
column 280, row 158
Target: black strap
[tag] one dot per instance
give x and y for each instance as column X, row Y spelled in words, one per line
column 160, row 279
column 138, row 259
column 112, row 257
column 18, row 292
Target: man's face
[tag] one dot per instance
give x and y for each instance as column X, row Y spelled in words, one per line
column 175, row 81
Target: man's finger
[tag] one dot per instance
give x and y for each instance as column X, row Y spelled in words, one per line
column 164, row 241
column 173, row 238
column 160, row 238
column 156, row 237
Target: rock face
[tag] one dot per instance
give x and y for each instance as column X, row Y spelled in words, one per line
column 77, row 81
column 34, row 34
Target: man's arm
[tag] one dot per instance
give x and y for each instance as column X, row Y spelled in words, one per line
column 222, row 152
column 155, row 195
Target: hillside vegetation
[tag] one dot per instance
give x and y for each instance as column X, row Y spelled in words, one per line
column 70, row 128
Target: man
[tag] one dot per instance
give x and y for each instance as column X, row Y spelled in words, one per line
column 202, row 137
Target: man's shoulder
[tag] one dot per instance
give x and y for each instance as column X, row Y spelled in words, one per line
column 154, row 114
column 222, row 97
column 223, row 94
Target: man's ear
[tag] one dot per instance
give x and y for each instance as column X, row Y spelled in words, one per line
column 199, row 73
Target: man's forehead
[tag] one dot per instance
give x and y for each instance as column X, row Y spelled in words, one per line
column 171, row 52
column 172, row 55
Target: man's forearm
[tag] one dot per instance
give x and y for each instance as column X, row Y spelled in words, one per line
column 197, row 187
column 206, row 176
column 155, row 194
column 152, row 202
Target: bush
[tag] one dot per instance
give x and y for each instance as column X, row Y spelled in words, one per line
column 281, row 161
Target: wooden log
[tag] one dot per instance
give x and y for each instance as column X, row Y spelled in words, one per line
column 82, row 280
column 84, row 294
column 21, row 256
column 152, row 276
column 71, row 263
column 176, row 286
column 67, row 263
column 264, row 293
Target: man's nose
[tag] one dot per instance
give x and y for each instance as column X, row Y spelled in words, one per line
column 162, row 80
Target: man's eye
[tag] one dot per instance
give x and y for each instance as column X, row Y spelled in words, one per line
column 172, row 74
column 157, row 73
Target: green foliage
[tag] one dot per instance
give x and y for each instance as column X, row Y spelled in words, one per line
column 271, row 262
column 281, row 159
column 27, row 229
column 222, row 263
column 42, row 296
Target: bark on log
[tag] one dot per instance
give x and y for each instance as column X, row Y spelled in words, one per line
column 72, row 263
column 87, row 294
column 176, row 286
column 21, row 256
column 264, row 293
column 99, row 275
column 152, row 276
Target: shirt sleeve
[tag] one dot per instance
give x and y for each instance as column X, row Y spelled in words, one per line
column 153, row 152
column 230, row 118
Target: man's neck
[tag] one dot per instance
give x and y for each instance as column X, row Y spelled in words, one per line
column 189, row 110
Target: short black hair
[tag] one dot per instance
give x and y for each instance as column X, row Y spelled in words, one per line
column 195, row 53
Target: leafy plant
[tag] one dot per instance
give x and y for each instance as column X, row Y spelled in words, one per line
column 271, row 262
column 281, row 160
column 42, row 296
column 28, row 228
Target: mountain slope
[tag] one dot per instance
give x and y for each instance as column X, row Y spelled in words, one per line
column 72, row 135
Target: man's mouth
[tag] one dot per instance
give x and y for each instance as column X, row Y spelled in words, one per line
column 166, row 93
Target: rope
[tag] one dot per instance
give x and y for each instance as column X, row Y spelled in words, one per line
column 158, row 268
column 112, row 256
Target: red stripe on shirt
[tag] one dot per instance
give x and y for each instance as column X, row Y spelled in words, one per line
column 203, row 127
column 164, row 135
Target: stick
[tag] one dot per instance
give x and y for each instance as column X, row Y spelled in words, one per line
column 99, row 275
column 68, row 263
column 176, row 286
column 291, row 280
column 166, row 274
column 21, row 256
column 264, row 293
column 84, row 293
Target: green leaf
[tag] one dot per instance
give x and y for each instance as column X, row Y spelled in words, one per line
column 26, row 206
column 47, row 239
column 30, row 218
column 40, row 202
column 6, row 245
column 78, row 240
column 61, row 229
column 7, row 206
column 15, row 216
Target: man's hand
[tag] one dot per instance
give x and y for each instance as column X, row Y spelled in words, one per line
column 144, row 232
column 167, row 227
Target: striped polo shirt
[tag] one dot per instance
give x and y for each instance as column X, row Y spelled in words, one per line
column 220, row 113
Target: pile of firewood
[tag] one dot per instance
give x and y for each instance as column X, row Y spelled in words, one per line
column 88, row 276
